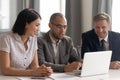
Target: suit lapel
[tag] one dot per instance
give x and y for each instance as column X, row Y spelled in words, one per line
column 49, row 42
column 96, row 41
column 110, row 39
column 60, row 52
column 52, row 52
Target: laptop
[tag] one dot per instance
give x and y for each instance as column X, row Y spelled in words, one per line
column 95, row 63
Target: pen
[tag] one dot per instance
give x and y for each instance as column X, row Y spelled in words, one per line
column 38, row 78
column 43, row 78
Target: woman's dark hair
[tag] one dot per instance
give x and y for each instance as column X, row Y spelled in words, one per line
column 25, row 16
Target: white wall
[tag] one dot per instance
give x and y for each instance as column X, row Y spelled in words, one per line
column 13, row 11
column 86, row 15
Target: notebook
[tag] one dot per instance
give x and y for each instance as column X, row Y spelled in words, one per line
column 95, row 63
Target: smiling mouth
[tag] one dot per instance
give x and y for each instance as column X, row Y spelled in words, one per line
column 36, row 33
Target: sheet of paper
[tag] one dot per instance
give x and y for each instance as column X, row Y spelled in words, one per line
column 34, row 78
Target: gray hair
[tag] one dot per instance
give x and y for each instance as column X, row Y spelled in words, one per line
column 102, row 16
column 53, row 17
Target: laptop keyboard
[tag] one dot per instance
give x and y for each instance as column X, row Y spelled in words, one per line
column 77, row 72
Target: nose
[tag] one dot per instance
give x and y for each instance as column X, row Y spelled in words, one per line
column 63, row 29
column 100, row 30
column 37, row 29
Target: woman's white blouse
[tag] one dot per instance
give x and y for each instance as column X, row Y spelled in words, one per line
column 14, row 46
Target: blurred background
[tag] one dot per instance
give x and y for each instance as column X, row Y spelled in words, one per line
column 79, row 14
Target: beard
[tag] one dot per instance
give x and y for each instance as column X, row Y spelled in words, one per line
column 55, row 36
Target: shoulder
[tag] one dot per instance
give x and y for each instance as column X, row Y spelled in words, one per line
column 114, row 34
column 44, row 38
column 89, row 33
column 66, row 39
column 7, row 35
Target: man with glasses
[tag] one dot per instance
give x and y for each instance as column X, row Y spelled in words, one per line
column 101, row 38
column 55, row 49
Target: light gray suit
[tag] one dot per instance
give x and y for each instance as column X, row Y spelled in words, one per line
column 67, row 52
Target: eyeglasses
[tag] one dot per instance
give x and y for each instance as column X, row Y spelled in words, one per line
column 60, row 26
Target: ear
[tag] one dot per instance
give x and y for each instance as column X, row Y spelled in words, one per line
column 109, row 26
column 50, row 25
column 26, row 26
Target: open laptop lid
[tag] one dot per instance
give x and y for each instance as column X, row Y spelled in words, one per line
column 95, row 63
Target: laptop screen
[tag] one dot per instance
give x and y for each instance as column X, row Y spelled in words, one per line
column 95, row 63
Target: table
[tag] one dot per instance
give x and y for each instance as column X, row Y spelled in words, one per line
column 112, row 75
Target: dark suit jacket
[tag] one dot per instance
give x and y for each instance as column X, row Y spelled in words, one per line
column 67, row 52
column 90, row 43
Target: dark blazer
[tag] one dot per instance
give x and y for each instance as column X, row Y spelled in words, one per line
column 67, row 52
column 90, row 43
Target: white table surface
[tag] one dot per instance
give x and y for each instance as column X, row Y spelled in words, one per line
column 112, row 75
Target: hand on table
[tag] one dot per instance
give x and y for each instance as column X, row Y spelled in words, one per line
column 72, row 66
column 115, row 65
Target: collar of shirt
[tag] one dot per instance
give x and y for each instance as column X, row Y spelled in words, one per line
column 106, row 38
column 18, row 37
column 53, row 41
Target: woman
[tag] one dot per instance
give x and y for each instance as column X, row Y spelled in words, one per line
column 18, row 49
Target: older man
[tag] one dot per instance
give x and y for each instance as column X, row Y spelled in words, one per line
column 56, row 49
column 93, row 40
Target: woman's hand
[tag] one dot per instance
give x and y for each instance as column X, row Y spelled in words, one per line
column 42, row 71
